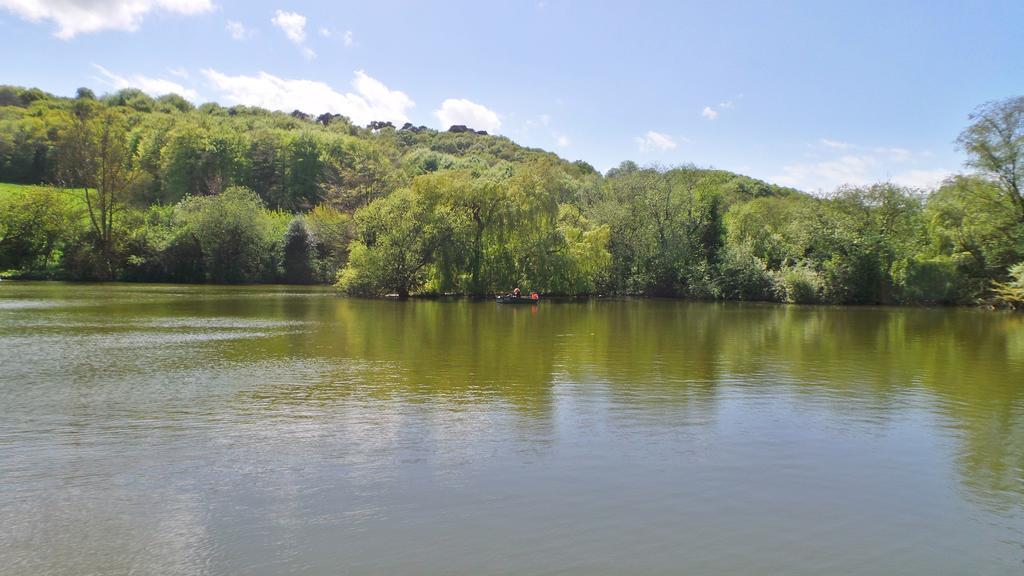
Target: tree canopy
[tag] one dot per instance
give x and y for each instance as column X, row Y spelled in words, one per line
column 126, row 186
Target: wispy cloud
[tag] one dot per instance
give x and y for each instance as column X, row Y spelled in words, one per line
column 74, row 17
column 859, row 165
column 837, row 144
column 370, row 100
column 347, row 38
column 923, row 179
column 151, row 86
column 563, row 141
column 656, row 141
column 238, row 31
column 712, row 112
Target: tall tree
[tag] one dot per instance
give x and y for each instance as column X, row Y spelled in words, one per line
column 95, row 158
column 994, row 143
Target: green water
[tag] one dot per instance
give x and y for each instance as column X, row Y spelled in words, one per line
column 197, row 430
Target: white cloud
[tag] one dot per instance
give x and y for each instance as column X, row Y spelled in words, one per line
column 894, row 154
column 563, row 141
column 180, row 72
column 837, row 144
column 151, row 86
column 712, row 112
column 922, row 179
column 308, row 53
column 461, row 111
column 656, row 141
column 292, row 23
column 545, row 119
column 74, row 17
column 371, row 100
column 861, row 165
column 829, row 174
column 346, row 38
column 238, row 31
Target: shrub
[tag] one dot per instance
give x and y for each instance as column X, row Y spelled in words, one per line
column 923, row 280
column 798, row 284
column 240, row 240
column 1011, row 293
column 298, row 253
column 36, row 224
column 743, row 276
column 852, row 278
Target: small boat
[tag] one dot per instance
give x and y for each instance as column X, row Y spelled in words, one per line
column 506, row 299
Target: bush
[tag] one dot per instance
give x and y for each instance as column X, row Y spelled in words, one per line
column 1011, row 293
column 298, row 253
column 852, row 278
column 395, row 251
column 743, row 276
column 331, row 230
column 798, row 284
column 36, row 224
column 361, row 276
column 240, row 240
column 923, row 280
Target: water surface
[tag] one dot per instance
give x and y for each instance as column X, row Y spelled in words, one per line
column 268, row 430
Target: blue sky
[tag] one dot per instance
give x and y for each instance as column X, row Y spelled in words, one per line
column 808, row 94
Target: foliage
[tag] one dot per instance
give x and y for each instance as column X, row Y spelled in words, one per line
column 396, row 246
column 298, row 253
column 331, row 232
column 799, row 284
column 743, row 276
column 994, row 143
column 161, row 190
column 238, row 239
column 936, row 280
column 1011, row 293
column 35, row 225
column 96, row 159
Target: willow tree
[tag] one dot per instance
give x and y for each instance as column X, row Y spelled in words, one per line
column 398, row 237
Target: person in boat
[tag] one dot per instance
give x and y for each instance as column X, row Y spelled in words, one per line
column 517, row 293
column 534, row 296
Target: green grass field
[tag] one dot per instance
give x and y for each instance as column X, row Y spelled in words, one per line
column 72, row 197
column 9, row 189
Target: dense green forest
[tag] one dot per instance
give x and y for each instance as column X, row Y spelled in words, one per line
column 128, row 187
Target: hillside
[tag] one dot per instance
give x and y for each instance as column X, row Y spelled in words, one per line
column 166, row 191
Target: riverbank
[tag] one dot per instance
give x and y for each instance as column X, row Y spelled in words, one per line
column 990, row 304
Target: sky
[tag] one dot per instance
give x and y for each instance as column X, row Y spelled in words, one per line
column 810, row 94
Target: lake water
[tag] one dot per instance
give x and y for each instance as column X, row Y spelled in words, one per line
column 270, row 430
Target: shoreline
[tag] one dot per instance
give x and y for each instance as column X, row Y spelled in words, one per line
column 329, row 289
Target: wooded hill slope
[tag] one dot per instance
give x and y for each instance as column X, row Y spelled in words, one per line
column 135, row 188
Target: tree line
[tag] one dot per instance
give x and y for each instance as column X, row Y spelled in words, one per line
column 128, row 187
